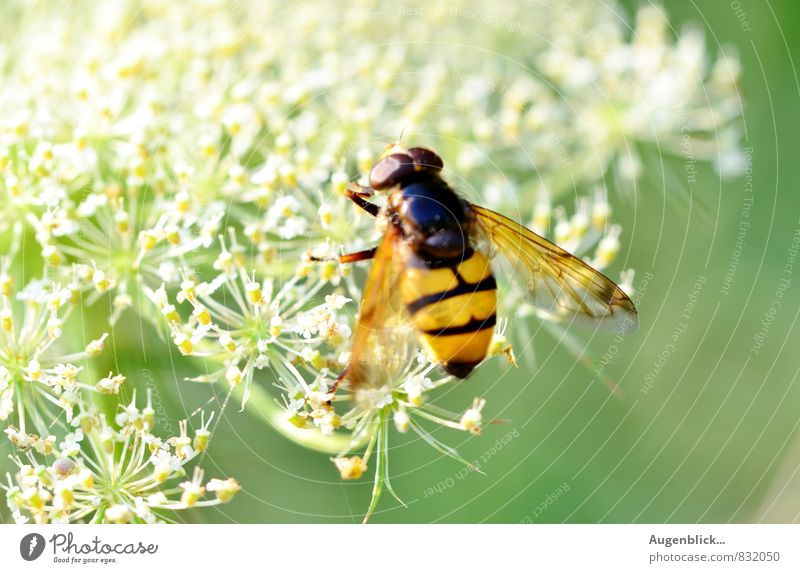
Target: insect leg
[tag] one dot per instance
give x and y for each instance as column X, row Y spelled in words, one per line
column 358, row 189
column 349, row 257
column 356, row 193
column 342, row 375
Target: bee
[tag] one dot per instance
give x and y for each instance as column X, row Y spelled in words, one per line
column 429, row 261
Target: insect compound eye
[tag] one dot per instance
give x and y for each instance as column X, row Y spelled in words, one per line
column 425, row 159
column 390, row 170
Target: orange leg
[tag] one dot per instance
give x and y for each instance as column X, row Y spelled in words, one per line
column 349, row 257
column 357, row 189
column 358, row 195
column 342, row 375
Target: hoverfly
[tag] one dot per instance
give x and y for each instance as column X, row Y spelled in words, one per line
column 428, row 259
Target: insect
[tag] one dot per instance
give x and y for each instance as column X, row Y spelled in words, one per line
column 428, row 259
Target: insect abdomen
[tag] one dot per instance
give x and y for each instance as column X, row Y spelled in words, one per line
column 453, row 310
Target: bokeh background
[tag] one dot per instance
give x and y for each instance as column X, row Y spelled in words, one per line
column 703, row 426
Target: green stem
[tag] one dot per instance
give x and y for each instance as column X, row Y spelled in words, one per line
column 20, row 407
column 380, row 471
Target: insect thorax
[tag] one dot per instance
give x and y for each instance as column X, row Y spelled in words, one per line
column 433, row 218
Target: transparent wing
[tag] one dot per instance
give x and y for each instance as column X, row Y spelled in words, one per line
column 381, row 330
column 559, row 284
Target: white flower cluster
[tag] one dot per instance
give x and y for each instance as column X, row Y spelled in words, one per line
column 185, row 161
column 39, row 381
column 103, row 472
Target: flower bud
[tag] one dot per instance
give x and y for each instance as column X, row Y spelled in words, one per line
column 472, row 419
column 233, row 375
column 225, row 489
column 95, row 347
column 350, row 468
column 118, row 514
column 183, row 343
column 401, row 420
column 192, row 492
column 202, row 315
column 64, row 466
column 297, row 419
column 201, row 438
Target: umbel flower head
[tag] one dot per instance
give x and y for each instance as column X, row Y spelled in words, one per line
column 39, row 380
column 116, row 471
column 121, row 238
column 395, row 398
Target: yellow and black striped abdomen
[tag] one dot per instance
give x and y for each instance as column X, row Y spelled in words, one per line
column 453, row 309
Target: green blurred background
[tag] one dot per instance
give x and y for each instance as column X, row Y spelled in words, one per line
column 713, row 439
